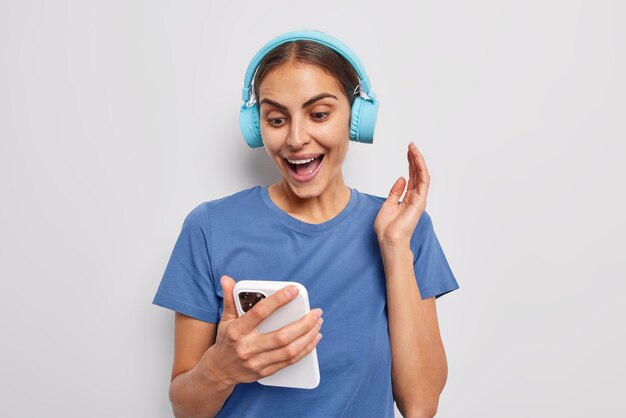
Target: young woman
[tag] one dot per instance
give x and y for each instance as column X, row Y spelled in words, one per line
column 372, row 266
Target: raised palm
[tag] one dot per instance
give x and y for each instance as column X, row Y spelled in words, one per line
column 395, row 222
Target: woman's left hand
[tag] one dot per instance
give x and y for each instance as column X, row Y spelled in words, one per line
column 395, row 222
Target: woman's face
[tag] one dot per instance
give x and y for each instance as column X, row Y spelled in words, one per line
column 305, row 117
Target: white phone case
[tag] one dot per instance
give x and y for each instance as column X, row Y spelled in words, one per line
column 305, row 373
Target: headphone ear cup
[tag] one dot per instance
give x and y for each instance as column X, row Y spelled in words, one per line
column 363, row 120
column 250, row 125
column 355, row 118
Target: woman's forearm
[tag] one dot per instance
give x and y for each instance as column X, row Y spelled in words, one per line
column 199, row 393
column 419, row 366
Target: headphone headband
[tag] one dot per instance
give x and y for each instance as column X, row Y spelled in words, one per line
column 305, row 35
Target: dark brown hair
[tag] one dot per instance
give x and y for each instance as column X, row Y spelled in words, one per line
column 309, row 52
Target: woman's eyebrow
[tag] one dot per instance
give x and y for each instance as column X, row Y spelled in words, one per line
column 275, row 104
column 304, row 105
column 318, row 97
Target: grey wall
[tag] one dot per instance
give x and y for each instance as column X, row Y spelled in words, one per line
column 118, row 117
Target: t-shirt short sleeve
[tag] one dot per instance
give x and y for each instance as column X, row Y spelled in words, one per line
column 187, row 285
column 432, row 271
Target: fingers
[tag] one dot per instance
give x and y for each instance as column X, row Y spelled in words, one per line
column 269, row 362
column 420, row 176
column 230, row 311
column 287, row 345
column 292, row 353
column 412, row 156
column 266, row 307
column 411, row 170
column 287, row 334
column 419, row 179
column 276, row 350
column 396, row 191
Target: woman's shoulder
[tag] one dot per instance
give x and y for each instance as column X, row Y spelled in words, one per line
column 243, row 196
column 374, row 202
column 370, row 199
column 233, row 204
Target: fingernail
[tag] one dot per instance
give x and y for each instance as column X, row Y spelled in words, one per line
column 317, row 312
column 291, row 290
column 320, row 322
column 319, row 337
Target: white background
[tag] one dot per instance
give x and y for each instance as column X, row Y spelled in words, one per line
column 118, row 117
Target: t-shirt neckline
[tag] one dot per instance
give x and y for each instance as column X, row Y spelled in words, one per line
column 299, row 225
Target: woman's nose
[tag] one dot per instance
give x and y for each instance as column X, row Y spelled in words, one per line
column 298, row 135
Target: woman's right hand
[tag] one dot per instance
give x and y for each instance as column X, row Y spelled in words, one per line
column 241, row 354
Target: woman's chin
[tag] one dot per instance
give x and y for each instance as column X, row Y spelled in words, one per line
column 304, row 191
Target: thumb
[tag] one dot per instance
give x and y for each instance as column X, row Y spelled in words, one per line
column 396, row 191
column 230, row 311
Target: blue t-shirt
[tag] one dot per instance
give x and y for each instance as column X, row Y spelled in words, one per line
column 246, row 236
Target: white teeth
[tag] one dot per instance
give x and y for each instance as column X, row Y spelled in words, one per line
column 301, row 161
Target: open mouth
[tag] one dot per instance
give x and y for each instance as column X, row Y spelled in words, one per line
column 305, row 167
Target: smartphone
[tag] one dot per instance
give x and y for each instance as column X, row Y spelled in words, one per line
column 305, row 373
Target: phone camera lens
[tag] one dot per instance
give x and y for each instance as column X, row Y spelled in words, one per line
column 249, row 299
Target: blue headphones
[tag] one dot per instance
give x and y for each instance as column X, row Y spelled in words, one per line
column 364, row 108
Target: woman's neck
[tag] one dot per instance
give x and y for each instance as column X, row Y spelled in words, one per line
column 313, row 210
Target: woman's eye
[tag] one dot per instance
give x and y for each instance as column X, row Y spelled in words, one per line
column 320, row 116
column 276, row 121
